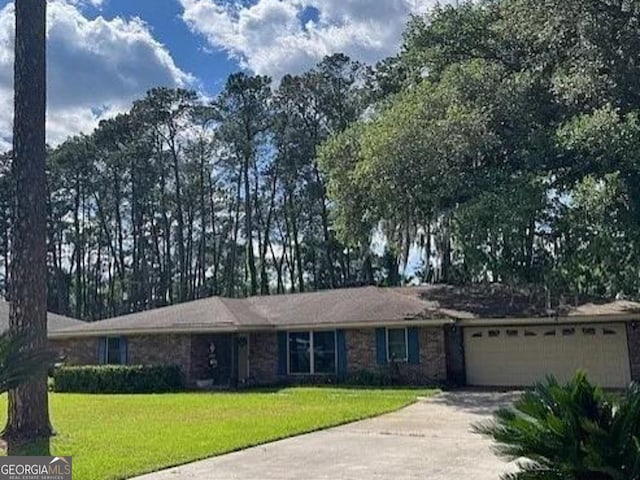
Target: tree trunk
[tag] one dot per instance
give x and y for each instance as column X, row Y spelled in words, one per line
column 182, row 260
column 324, row 216
column 248, row 216
column 28, row 424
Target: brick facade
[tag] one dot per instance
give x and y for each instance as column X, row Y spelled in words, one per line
column 361, row 356
column 190, row 352
column 142, row 350
column 161, row 350
column 77, row 351
column 454, row 352
column 263, row 358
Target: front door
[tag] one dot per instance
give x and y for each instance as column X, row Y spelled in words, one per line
column 243, row 359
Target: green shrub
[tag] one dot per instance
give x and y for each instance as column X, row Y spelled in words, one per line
column 570, row 432
column 117, row 379
column 371, row 378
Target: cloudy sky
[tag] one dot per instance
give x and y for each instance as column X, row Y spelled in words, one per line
column 102, row 54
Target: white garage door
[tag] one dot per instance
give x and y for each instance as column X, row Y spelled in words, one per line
column 520, row 356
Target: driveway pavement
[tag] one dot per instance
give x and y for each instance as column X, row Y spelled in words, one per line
column 429, row 440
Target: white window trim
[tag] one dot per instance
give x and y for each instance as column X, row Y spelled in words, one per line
column 312, row 353
column 406, row 345
column 106, row 350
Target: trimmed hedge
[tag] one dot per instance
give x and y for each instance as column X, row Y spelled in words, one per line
column 117, row 379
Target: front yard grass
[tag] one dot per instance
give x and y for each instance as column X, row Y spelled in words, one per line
column 119, row 436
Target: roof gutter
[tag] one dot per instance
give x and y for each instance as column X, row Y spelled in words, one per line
column 63, row 334
column 407, row 322
column 554, row 320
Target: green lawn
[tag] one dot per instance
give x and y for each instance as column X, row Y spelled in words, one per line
column 118, row 436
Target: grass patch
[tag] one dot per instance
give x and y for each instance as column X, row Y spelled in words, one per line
column 118, row 436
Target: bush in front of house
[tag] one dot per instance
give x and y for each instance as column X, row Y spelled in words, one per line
column 372, row 378
column 570, row 432
column 117, row 379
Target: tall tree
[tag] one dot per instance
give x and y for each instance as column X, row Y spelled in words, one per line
column 28, row 420
column 244, row 116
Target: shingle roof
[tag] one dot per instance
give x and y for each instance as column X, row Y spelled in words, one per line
column 342, row 306
column 500, row 301
column 205, row 314
column 55, row 322
column 364, row 306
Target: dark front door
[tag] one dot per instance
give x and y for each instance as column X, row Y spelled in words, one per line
column 211, row 358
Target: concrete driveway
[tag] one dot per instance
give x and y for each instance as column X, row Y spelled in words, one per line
column 430, row 440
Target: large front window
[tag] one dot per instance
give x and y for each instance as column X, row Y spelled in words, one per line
column 312, row 352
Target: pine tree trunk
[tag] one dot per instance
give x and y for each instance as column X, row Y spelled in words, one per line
column 28, row 424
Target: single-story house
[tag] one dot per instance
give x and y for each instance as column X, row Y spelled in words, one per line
column 482, row 336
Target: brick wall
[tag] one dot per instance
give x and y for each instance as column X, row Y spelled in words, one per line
column 76, row 351
column 189, row 352
column 263, row 357
column 161, row 350
column 633, row 340
column 361, row 355
column 454, row 350
column 142, row 350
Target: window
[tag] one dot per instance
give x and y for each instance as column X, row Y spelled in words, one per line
column 589, row 331
column 550, row 333
column 477, row 335
column 312, row 352
column 397, row 345
column 512, row 333
column 568, row 331
column 113, row 356
column 494, row 333
column 530, row 333
column 608, row 331
column 324, row 352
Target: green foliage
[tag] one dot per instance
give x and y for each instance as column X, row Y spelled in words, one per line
column 570, row 432
column 598, row 240
column 117, row 379
column 506, row 114
column 373, row 378
column 19, row 361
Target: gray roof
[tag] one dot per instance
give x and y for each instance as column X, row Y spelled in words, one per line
column 363, row 306
column 55, row 322
column 330, row 308
column 501, row 301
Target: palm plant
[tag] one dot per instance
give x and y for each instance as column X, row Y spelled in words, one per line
column 19, row 363
column 570, row 432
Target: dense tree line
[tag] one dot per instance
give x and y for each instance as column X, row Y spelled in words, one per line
column 508, row 149
column 182, row 198
column 501, row 143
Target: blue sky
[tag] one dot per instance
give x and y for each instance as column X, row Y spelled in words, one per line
column 188, row 50
column 103, row 54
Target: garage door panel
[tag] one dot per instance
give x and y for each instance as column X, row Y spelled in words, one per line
column 510, row 356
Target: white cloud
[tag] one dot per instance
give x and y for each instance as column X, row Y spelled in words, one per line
column 270, row 37
column 96, row 67
column 94, row 3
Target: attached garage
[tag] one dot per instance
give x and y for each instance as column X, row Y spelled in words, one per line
column 507, row 355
